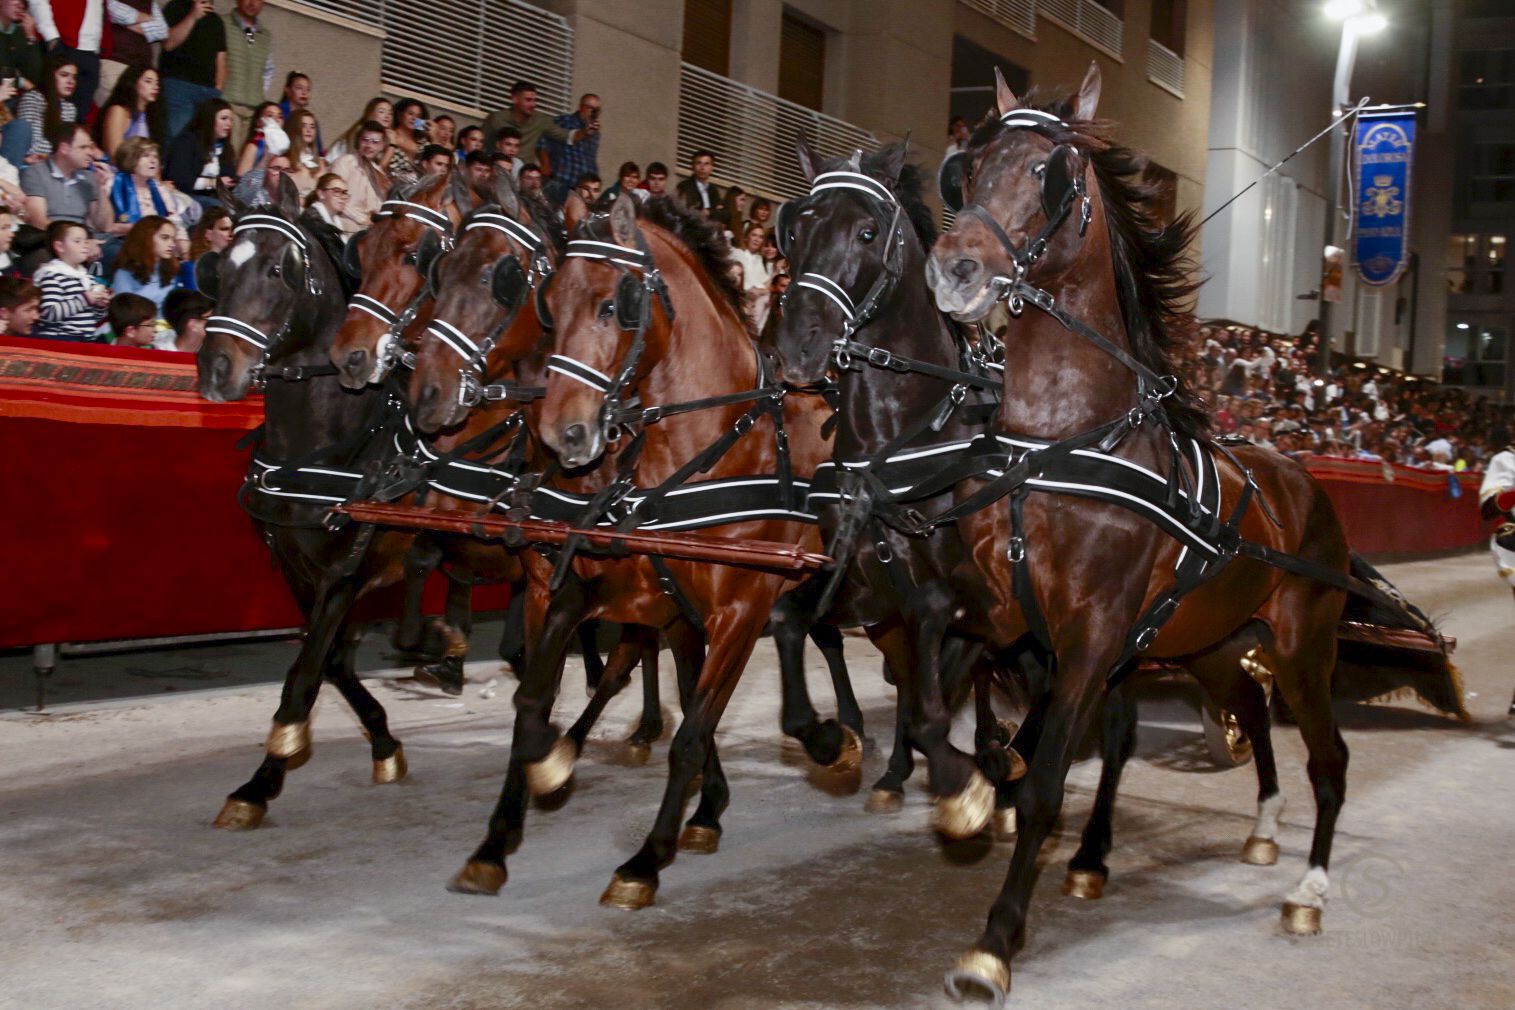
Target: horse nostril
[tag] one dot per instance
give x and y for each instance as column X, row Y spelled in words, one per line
column 965, row 269
column 357, row 360
column 575, row 434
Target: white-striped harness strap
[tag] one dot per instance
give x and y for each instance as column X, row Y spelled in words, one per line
column 383, row 313
column 1031, row 119
column 510, row 226
column 460, row 343
column 590, row 249
column 575, row 369
column 429, row 216
column 852, row 180
column 270, row 222
column 831, row 289
column 233, row 327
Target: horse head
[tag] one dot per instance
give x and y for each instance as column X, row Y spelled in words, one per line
column 485, row 318
column 1024, row 195
column 392, row 259
column 848, row 243
column 268, row 285
column 608, row 331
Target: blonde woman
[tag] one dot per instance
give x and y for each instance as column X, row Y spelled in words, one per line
column 378, row 110
column 306, row 163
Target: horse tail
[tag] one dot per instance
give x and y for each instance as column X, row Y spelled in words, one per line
column 1389, row 667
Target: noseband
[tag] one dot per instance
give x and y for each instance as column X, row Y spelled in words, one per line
column 471, row 390
column 388, row 351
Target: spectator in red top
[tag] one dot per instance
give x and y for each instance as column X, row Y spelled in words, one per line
column 75, row 28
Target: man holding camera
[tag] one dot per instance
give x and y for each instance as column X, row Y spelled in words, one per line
column 567, row 163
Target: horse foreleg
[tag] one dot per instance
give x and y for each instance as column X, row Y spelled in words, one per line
column 420, row 561
column 888, row 793
column 791, row 621
column 548, row 756
column 513, row 636
column 388, row 756
column 623, row 659
column 1087, row 871
column 589, row 648
column 457, row 622
column 702, row 832
column 649, row 727
column 828, row 638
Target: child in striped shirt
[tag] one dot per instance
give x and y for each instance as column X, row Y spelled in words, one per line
column 73, row 302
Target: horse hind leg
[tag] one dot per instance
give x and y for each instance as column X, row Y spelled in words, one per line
column 825, row 742
column 453, row 629
column 650, row 725
column 388, row 755
column 1087, row 872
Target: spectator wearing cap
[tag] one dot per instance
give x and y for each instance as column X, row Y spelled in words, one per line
column 534, row 124
column 249, row 61
column 75, row 29
column 193, row 62
column 699, row 192
column 567, row 163
column 134, row 26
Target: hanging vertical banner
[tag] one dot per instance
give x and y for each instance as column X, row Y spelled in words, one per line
column 1385, row 149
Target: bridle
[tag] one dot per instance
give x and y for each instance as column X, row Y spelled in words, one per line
column 295, row 271
column 436, row 241
column 509, row 285
column 631, row 308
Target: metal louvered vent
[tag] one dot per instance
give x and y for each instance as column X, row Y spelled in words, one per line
column 752, row 133
column 1018, row 15
column 1165, row 68
column 489, row 45
column 1089, row 21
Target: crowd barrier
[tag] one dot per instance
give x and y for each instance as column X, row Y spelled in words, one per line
column 121, row 521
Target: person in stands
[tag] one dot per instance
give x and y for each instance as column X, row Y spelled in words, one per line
column 132, row 110
column 186, row 313
column 20, row 306
column 202, row 155
column 133, row 321
column 73, row 302
column 147, row 265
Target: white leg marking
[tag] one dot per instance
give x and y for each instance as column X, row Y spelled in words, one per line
column 1311, row 890
column 1268, row 813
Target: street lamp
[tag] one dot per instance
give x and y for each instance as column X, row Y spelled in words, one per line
column 1358, row 18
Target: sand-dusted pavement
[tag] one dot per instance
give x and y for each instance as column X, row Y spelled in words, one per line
column 116, row 893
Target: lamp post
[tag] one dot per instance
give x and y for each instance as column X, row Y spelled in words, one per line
column 1358, row 18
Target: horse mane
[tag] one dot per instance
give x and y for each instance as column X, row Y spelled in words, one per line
column 1154, row 268
column 705, row 239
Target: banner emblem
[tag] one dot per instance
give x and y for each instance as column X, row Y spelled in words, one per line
column 1385, row 148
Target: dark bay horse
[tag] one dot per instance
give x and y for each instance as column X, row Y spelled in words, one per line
column 1051, row 215
column 645, row 319
column 279, row 304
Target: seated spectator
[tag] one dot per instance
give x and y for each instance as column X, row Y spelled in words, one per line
column 20, row 46
column 297, row 99
column 213, row 233
column 133, row 321
column 366, row 180
column 186, row 313
column 66, row 186
column 410, row 132
column 20, row 306
column 193, row 62
column 306, row 163
column 698, row 192
column 762, row 212
column 507, row 141
column 8, row 265
column 443, row 130
column 656, row 182
column 627, row 179
column 134, row 26
column 469, row 141
column 132, row 110
column 435, row 160
column 274, row 169
column 15, row 134
column 480, row 169
column 147, row 265
column 735, row 223
column 378, row 110
column 265, row 138
column 140, row 164
column 756, row 275
column 51, row 104
column 73, row 302
column 587, row 186
column 202, row 156
column 328, row 200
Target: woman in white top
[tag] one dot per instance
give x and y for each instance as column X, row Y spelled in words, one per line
column 755, row 274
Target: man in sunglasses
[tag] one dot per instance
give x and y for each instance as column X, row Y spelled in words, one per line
column 249, row 62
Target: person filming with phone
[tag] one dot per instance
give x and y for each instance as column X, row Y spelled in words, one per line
column 567, row 163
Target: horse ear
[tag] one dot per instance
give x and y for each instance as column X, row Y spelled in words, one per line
column 893, row 160
column 575, row 210
column 1004, row 99
column 855, row 163
column 1087, row 102
column 459, row 189
column 623, row 219
column 228, row 199
column 807, row 156
column 505, row 192
column 288, row 197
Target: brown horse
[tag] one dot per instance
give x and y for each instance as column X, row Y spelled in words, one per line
column 1050, row 216
column 644, row 310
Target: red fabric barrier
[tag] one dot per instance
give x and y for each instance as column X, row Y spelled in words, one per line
column 1389, row 509
column 120, row 511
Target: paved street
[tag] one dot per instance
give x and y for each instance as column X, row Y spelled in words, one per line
column 117, row 893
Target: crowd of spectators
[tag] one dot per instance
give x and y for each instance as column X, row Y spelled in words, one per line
column 1267, row 388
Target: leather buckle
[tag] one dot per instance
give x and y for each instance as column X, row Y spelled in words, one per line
column 652, row 415
column 744, row 424
column 880, row 358
column 1016, row 552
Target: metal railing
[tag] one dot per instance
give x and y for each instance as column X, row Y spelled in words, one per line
column 752, row 133
column 468, row 52
column 1017, row 15
column 1165, row 68
column 1096, row 25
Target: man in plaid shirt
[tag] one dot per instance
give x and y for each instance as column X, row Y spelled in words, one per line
column 568, row 162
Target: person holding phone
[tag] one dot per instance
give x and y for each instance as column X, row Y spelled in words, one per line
column 193, row 62
column 567, row 163
column 20, row 45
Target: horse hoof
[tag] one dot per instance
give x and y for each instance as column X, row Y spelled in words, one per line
column 478, row 878
column 850, row 761
column 391, row 769
column 288, row 741
column 884, row 801
column 1003, row 824
column 631, row 895
column 964, row 815
column 978, row 974
column 638, row 753
column 239, row 815
column 1085, row 885
column 552, row 772
column 1301, row 920
column 699, row 838
column 1017, row 765
column 1259, row 851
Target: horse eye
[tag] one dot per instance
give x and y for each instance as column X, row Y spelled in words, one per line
column 276, row 271
column 868, row 234
column 410, row 258
column 607, row 309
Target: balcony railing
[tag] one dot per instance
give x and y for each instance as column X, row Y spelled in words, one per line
column 467, row 53
column 1165, row 68
column 1018, row 15
column 1094, row 24
column 752, row 133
